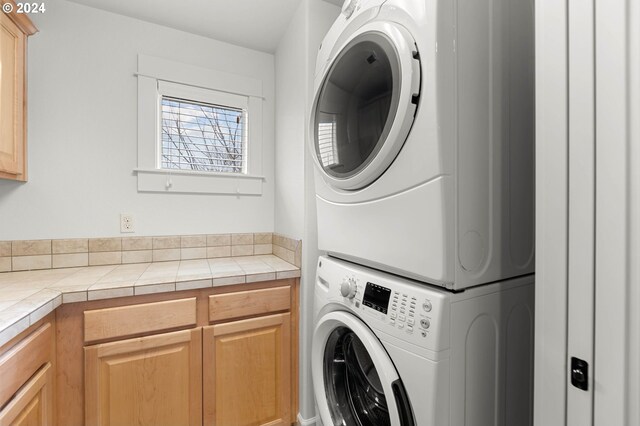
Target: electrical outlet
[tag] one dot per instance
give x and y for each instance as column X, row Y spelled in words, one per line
column 126, row 223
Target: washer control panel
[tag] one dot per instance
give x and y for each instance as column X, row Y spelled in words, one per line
column 408, row 312
column 400, row 307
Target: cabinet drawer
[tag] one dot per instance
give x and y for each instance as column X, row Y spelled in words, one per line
column 247, row 303
column 19, row 363
column 122, row 321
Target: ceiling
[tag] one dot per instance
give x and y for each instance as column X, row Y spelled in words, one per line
column 256, row 24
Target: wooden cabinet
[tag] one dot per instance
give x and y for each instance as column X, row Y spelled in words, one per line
column 33, row 404
column 247, row 367
column 14, row 29
column 26, row 376
column 153, row 380
column 224, row 356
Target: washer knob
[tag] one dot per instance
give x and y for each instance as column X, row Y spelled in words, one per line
column 425, row 323
column 427, row 306
column 348, row 288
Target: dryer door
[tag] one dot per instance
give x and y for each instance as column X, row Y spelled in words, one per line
column 355, row 381
column 365, row 105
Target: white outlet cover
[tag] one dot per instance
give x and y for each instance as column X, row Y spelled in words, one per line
column 126, row 223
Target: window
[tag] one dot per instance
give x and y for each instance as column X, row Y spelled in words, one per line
column 199, row 130
column 203, row 137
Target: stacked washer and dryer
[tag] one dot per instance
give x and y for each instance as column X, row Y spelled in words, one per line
column 423, row 137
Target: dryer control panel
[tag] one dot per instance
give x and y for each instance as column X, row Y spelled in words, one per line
column 414, row 312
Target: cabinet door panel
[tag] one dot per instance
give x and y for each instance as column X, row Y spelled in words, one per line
column 153, row 380
column 247, row 367
column 12, row 42
column 33, row 404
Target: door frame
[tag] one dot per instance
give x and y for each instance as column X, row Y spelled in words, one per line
column 609, row 328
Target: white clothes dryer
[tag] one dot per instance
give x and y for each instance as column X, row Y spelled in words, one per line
column 422, row 128
column 388, row 351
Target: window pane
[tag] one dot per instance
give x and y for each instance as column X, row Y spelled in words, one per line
column 202, row 137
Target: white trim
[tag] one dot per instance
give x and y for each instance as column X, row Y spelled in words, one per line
column 581, row 199
column 157, row 76
column 633, row 300
column 182, row 181
column 215, row 97
column 167, row 70
column 613, row 219
column 550, row 378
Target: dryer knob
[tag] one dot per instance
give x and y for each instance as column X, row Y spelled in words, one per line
column 348, row 288
column 348, row 7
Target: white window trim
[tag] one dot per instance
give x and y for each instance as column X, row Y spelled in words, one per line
column 157, row 76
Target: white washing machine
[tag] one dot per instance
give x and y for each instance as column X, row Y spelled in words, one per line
column 390, row 351
column 422, row 128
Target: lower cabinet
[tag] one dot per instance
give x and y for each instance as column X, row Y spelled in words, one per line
column 247, row 372
column 33, row 404
column 232, row 363
column 27, row 365
column 153, row 380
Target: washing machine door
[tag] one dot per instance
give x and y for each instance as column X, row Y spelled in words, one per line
column 365, row 105
column 355, row 381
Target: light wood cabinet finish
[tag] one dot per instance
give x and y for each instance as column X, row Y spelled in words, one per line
column 33, row 404
column 75, row 402
column 153, row 380
column 247, row 303
column 247, row 372
column 14, row 29
column 124, row 321
column 20, row 362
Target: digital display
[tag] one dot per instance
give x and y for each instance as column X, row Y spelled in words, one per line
column 376, row 297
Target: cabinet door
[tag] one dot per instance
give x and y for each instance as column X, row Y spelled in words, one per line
column 153, row 380
column 12, row 48
column 33, row 404
column 247, row 370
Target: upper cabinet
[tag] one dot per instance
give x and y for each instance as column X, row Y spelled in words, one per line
column 16, row 27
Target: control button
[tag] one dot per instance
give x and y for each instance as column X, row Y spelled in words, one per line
column 348, row 288
column 411, row 321
column 424, row 333
column 392, row 321
column 392, row 315
column 425, row 323
column 410, row 329
column 400, row 325
column 402, row 318
column 427, row 306
column 411, row 312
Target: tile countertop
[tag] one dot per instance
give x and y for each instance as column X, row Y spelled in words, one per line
column 26, row 297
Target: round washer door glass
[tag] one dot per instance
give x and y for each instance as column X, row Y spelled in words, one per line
column 360, row 100
column 352, row 384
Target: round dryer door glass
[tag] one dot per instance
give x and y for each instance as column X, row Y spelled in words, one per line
column 369, row 90
column 354, row 392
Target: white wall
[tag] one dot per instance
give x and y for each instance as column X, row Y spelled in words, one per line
column 295, row 210
column 83, row 132
column 291, row 78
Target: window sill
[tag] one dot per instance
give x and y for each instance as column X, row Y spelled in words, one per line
column 188, row 182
